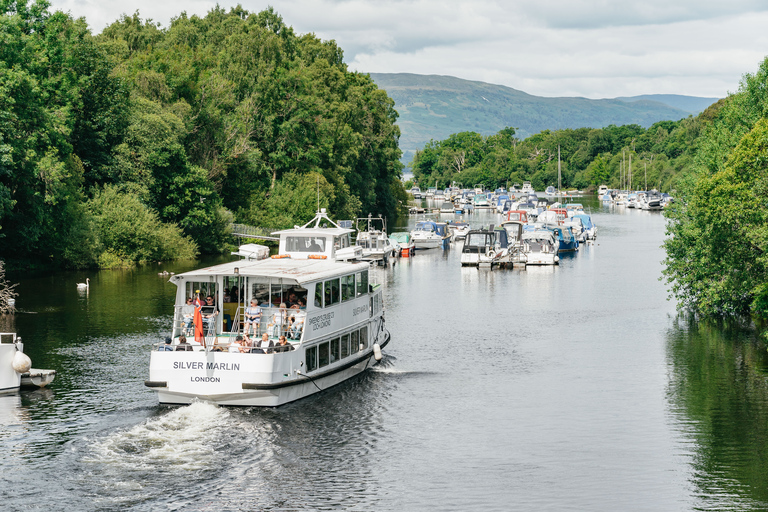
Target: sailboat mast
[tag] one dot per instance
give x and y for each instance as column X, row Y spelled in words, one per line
column 559, row 185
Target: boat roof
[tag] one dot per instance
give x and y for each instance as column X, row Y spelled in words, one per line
column 301, row 271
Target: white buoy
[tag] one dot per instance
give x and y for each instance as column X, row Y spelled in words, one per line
column 376, row 352
column 21, row 362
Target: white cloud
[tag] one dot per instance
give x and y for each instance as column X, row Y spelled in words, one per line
column 591, row 48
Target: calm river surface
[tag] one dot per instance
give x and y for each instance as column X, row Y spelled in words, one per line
column 570, row 388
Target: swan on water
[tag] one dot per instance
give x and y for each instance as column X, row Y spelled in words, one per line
column 85, row 285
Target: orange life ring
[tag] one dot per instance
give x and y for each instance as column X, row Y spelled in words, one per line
column 317, row 257
column 280, row 256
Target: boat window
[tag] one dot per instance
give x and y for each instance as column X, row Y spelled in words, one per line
column 311, row 355
column 331, row 292
column 233, row 289
column 304, row 244
column 334, row 350
column 279, row 291
column 318, row 295
column 205, row 289
column 364, row 337
column 345, row 346
column 348, row 287
column 322, row 355
column 362, row 282
column 355, row 342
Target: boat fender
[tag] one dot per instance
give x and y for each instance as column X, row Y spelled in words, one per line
column 376, row 352
column 21, row 362
column 280, row 256
column 557, row 258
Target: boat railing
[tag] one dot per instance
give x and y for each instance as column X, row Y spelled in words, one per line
column 275, row 321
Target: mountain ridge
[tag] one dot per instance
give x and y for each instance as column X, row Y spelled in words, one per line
column 432, row 107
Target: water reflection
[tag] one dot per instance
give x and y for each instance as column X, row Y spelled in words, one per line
column 718, row 393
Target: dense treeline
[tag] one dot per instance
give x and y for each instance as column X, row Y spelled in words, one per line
column 717, row 244
column 143, row 143
column 589, row 157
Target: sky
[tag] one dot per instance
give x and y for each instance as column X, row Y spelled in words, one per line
column 589, row 48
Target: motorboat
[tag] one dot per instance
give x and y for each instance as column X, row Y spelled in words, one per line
column 485, row 248
column 447, row 207
column 602, row 190
column 314, row 291
column 527, row 188
column 550, row 190
column 518, row 215
column 590, row 229
column 429, row 235
column 416, row 192
column 480, row 201
column 501, row 200
column 403, row 244
column 373, row 240
column 16, row 367
column 459, row 230
column 567, row 241
column 540, row 247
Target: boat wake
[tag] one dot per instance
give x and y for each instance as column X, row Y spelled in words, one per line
column 181, row 440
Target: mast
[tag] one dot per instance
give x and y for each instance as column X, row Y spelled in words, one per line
column 630, row 171
column 559, row 185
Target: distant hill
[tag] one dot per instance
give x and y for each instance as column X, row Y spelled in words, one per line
column 434, row 107
column 691, row 104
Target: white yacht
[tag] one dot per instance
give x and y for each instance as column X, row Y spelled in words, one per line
column 540, row 247
column 314, row 292
column 372, row 238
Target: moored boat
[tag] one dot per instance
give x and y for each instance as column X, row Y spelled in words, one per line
column 16, row 368
column 540, row 247
column 429, row 235
column 373, row 240
column 315, row 292
column 403, row 244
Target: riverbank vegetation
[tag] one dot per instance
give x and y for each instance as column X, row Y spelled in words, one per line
column 144, row 143
column 589, row 157
column 717, row 243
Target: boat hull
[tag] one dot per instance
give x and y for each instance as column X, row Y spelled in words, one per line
column 252, row 380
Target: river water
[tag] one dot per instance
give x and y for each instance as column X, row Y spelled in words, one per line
column 569, row 388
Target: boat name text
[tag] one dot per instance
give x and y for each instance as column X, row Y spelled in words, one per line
column 200, row 365
column 359, row 310
column 321, row 321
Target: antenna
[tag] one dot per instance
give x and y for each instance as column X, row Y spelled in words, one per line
column 318, row 193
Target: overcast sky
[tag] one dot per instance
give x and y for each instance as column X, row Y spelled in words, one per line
column 590, row 48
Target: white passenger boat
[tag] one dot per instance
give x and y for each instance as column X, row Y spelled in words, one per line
column 313, row 292
column 372, row 238
column 16, row 367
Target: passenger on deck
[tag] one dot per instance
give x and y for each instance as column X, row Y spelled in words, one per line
column 188, row 316
column 247, row 347
column 296, row 321
column 237, row 345
column 283, row 345
column 264, row 346
column 167, row 346
column 209, row 311
column 279, row 321
column 292, row 299
column 252, row 317
column 183, row 345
